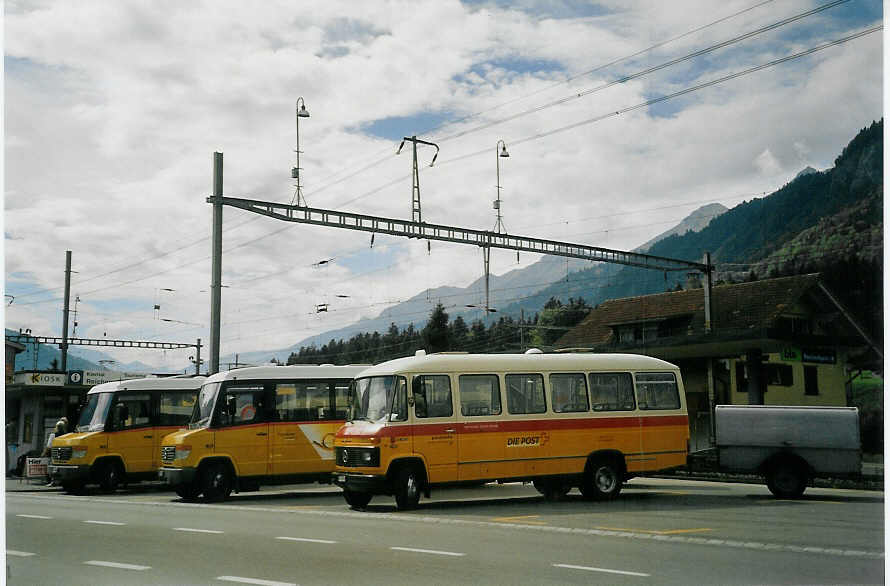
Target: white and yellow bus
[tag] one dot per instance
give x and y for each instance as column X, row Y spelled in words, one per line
column 259, row 425
column 559, row 420
column 119, row 431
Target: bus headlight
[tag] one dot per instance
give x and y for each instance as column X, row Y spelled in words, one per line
column 182, row 452
column 78, row 452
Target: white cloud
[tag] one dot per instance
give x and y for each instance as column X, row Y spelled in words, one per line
column 113, row 111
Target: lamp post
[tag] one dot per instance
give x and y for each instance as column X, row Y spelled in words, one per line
column 499, row 225
column 302, row 112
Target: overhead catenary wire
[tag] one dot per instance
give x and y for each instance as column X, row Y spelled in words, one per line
column 598, row 68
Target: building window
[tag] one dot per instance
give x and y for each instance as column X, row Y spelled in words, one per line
column 781, row 375
column 810, row 380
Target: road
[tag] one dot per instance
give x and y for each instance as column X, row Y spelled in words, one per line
column 659, row 531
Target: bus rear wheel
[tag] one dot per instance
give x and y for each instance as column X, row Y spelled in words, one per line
column 602, row 480
column 356, row 500
column 216, row 482
column 407, row 489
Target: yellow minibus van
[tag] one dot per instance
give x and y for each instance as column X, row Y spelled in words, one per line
column 119, row 431
column 558, row 420
column 259, row 425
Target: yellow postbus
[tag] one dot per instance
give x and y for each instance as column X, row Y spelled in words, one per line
column 259, row 425
column 559, row 420
column 118, row 434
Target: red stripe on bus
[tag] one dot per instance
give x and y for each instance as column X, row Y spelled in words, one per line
column 514, row 426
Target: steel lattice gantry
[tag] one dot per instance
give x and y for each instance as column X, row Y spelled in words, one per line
column 425, row 231
column 25, row 338
column 482, row 238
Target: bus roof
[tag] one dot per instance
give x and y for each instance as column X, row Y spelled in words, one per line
column 519, row 363
column 288, row 372
column 169, row 383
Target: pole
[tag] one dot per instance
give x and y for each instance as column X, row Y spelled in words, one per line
column 486, row 258
column 64, row 345
column 709, row 321
column 198, row 358
column 216, row 263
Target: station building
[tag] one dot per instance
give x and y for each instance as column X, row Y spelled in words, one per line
column 784, row 341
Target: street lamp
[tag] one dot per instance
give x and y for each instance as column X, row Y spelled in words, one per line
column 302, row 112
column 499, row 225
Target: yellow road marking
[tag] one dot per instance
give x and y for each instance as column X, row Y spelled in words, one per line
column 664, row 532
column 520, row 519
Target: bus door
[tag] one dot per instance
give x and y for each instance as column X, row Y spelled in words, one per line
column 242, row 430
column 133, row 431
column 435, row 428
column 301, row 419
column 481, row 442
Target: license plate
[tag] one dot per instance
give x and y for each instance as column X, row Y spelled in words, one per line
column 341, row 478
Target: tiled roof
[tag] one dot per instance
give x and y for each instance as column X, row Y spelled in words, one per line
column 738, row 307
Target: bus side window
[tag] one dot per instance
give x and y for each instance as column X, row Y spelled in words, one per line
column 432, row 396
column 525, row 393
column 480, row 395
column 657, row 390
column 568, row 393
column 611, row 391
column 341, row 399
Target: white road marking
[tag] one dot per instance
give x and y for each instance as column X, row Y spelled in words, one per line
column 196, row 530
column 307, row 539
column 117, row 565
column 606, row 570
column 425, row 519
column 34, row 516
column 253, row 581
column 432, row 551
column 21, row 554
column 104, row 522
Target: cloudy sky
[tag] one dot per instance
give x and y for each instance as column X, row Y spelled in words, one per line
column 113, row 110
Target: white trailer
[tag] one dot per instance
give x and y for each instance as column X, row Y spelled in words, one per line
column 788, row 445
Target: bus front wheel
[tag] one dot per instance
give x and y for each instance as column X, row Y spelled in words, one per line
column 602, row 480
column 110, row 476
column 407, row 489
column 356, row 500
column 216, row 482
column 188, row 492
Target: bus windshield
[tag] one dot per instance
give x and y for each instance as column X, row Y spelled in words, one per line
column 95, row 412
column 373, row 397
column 204, row 403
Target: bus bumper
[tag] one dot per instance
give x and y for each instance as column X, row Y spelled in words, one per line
column 177, row 476
column 365, row 483
column 64, row 474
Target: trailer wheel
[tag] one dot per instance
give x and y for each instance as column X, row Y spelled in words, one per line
column 216, row 482
column 407, row 489
column 786, row 479
column 356, row 500
column 110, row 475
column 602, row 480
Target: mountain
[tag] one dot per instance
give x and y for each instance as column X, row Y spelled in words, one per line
column 807, row 171
column 694, row 222
column 512, row 293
